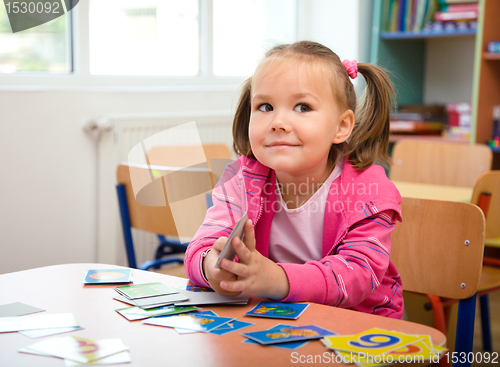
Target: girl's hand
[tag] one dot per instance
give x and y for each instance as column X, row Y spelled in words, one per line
column 213, row 275
column 254, row 274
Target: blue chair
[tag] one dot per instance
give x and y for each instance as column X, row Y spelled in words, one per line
column 438, row 250
column 152, row 213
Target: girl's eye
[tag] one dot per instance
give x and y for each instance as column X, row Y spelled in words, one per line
column 265, row 107
column 302, row 107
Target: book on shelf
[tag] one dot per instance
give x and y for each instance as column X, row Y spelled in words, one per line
column 407, row 15
column 418, row 119
column 445, row 16
column 469, row 6
column 444, row 2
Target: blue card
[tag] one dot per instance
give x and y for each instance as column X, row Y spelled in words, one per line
column 191, row 321
column 194, row 288
column 287, row 333
column 230, row 327
column 289, row 345
column 278, row 310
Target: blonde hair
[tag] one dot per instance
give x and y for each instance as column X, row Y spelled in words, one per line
column 369, row 139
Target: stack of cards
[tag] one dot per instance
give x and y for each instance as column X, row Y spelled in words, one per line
column 78, row 351
column 149, row 295
column 196, row 321
column 278, row 310
column 198, row 296
column 205, row 321
column 16, row 317
column 378, row 347
column 108, row 277
column 137, row 313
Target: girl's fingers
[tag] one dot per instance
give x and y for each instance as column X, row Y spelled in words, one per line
column 219, row 244
column 238, row 269
column 249, row 235
column 233, row 286
column 241, row 250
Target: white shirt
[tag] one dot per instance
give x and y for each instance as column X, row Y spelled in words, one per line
column 296, row 234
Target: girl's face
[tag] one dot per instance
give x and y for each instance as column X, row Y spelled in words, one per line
column 295, row 119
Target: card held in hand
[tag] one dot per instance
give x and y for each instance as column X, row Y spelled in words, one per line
column 228, row 250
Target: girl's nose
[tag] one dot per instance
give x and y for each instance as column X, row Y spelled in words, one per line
column 279, row 123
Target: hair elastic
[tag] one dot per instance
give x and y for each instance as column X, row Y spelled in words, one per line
column 351, row 68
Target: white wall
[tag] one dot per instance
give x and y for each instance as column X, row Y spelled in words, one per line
column 47, row 170
column 48, row 186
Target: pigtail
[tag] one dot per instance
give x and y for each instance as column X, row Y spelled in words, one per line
column 369, row 140
column 241, row 144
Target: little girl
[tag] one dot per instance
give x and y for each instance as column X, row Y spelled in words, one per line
column 320, row 212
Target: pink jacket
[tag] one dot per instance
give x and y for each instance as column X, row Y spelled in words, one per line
column 361, row 211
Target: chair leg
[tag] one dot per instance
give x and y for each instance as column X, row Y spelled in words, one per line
column 485, row 322
column 439, row 321
column 465, row 330
column 125, row 219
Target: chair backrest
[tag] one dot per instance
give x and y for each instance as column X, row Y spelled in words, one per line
column 438, row 248
column 181, row 218
column 440, row 163
column 489, row 183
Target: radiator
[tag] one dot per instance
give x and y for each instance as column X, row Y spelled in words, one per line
column 116, row 136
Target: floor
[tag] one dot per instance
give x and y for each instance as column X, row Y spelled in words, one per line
column 178, row 270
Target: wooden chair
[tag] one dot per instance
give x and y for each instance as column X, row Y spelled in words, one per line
column 438, row 250
column 161, row 198
column 441, row 163
column 486, row 195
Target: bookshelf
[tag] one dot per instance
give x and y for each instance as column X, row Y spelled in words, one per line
column 404, row 55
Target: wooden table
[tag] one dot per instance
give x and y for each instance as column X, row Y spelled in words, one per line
column 59, row 289
column 434, row 192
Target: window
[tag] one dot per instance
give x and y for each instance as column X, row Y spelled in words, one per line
column 166, row 42
column 45, row 48
column 245, row 29
column 147, row 37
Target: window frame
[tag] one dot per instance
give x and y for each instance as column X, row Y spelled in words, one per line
column 81, row 79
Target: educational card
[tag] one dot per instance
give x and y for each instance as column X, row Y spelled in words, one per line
column 228, row 250
column 144, row 290
column 17, row 309
column 190, row 322
column 38, row 321
column 373, row 342
column 288, row 345
column 158, row 301
column 210, row 298
column 78, row 349
column 285, row 334
column 278, row 310
column 194, row 288
column 421, row 350
column 137, row 313
column 206, row 313
column 230, row 327
column 46, row 332
column 122, row 357
column 108, row 276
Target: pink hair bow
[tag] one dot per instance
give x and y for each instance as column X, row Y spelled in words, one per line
column 351, row 68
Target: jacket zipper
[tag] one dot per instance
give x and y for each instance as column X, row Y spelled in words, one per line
column 260, row 211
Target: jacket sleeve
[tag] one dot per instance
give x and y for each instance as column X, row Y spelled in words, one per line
column 228, row 207
column 354, row 269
